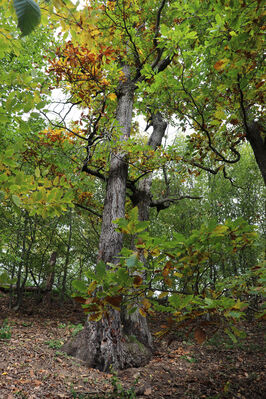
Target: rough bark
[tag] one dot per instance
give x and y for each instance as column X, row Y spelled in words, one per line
column 116, row 341
column 144, row 189
column 257, row 139
column 136, row 322
column 104, row 345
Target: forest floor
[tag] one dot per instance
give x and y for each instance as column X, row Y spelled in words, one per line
column 32, row 366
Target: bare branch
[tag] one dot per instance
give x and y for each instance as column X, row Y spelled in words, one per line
column 166, row 202
column 157, row 25
column 166, row 180
column 93, row 172
column 63, row 127
column 88, row 209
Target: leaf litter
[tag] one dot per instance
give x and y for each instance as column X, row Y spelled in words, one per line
column 32, row 366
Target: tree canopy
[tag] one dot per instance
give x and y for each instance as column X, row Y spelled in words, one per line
column 162, row 217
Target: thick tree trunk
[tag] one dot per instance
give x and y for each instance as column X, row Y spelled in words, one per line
column 115, row 341
column 257, row 139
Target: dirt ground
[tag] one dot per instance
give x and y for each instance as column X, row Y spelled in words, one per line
column 32, row 366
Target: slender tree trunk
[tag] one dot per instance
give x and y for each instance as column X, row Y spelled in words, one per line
column 65, row 270
column 19, row 292
column 136, row 322
column 46, row 299
column 107, row 343
column 144, row 189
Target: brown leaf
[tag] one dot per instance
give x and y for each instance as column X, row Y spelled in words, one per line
column 114, row 301
column 200, row 335
column 220, row 64
column 37, row 382
column 24, row 381
column 165, row 272
column 169, row 264
column 79, row 299
column 147, row 391
column 96, row 316
column 137, row 280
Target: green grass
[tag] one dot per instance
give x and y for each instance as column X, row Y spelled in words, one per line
column 54, row 343
column 5, row 330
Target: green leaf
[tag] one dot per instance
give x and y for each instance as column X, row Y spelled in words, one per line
column 28, row 14
column 133, row 214
column 234, row 314
column 179, row 237
column 132, row 260
column 41, row 105
column 141, row 226
column 37, row 172
column 56, row 181
column 123, row 276
column 180, row 301
column 16, row 200
column 79, row 285
column 231, row 335
column 5, row 280
column 2, row 195
column 100, row 269
column 210, row 302
column 219, row 230
column 4, row 118
column 34, row 114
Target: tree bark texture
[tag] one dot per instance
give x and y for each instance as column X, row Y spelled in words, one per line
column 136, row 322
column 114, row 206
column 144, row 189
column 257, row 138
column 113, row 341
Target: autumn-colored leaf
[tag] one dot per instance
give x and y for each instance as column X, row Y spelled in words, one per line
column 79, row 299
column 169, row 264
column 258, row 85
column 165, row 272
column 146, row 303
column 163, row 295
column 96, row 316
column 114, row 301
column 92, row 287
column 219, row 65
column 137, row 280
column 112, row 96
column 142, row 312
column 200, row 335
column 92, row 308
column 148, row 391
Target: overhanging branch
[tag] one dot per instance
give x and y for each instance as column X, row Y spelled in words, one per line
column 164, row 203
column 87, row 209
